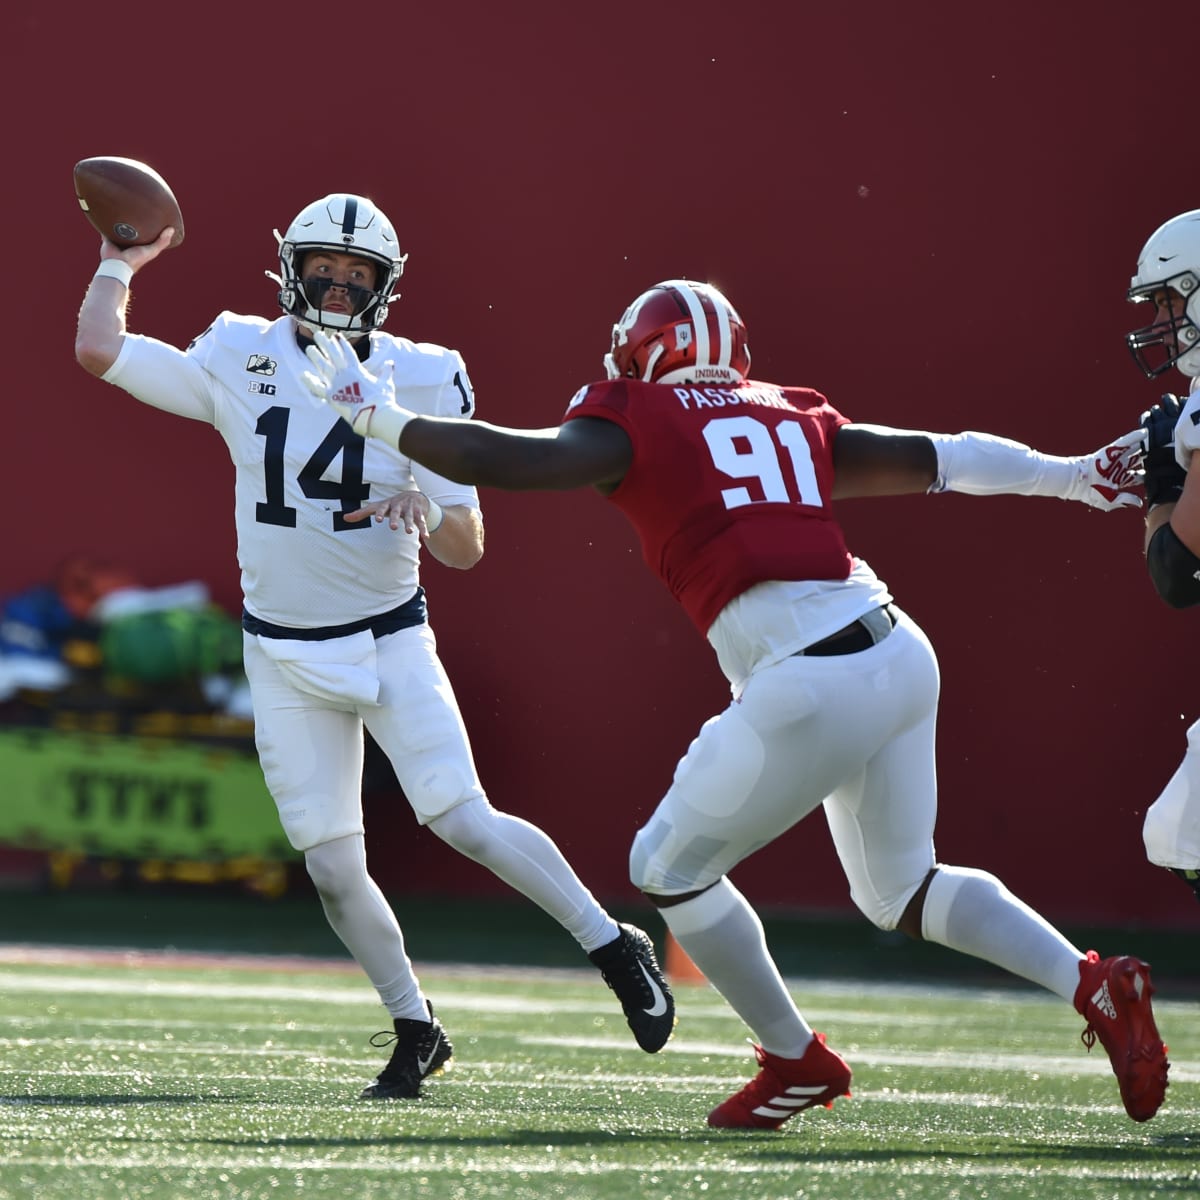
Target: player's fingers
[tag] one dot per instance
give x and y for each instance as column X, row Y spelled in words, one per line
column 1122, row 500
column 328, row 349
column 321, row 364
column 340, row 351
column 315, row 384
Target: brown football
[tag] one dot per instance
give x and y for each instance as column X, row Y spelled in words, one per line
column 127, row 201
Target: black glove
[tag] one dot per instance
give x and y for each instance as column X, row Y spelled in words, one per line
column 1164, row 476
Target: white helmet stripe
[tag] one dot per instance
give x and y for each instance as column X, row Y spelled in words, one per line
column 699, row 320
column 726, row 342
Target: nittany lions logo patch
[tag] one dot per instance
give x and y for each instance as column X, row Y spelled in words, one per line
column 260, row 364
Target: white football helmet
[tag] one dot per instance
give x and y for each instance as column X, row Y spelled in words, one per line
column 679, row 332
column 1170, row 259
column 346, row 224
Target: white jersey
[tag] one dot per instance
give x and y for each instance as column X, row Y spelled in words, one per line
column 299, row 467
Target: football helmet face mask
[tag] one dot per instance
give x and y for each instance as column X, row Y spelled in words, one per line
column 1170, row 259
column 679, row 332
column 343, row 224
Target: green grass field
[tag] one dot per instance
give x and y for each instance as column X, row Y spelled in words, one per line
column 141, row 1076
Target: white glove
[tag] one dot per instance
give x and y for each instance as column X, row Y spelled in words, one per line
column 366, row 402
column 1107, row 478
column 1187, row 430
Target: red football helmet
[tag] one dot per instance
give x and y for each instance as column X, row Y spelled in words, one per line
column 679, row 332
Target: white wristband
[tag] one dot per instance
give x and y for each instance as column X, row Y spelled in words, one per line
column 435, row 516
column 115, row 268
column 387, row 423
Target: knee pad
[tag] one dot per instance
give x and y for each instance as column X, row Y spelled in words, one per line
column 646, row 873
column 310, row 824
column 445, row 787
column 883, row 912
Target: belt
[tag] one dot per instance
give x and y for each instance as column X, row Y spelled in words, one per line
column 862, row 634
column 411, row 612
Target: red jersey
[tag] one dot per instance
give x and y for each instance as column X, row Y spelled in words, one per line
column 729, row 486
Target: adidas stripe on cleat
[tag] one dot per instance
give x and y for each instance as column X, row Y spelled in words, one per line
column 785, row 1086
column 1114, row 997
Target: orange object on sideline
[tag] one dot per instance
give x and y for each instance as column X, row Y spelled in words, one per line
column 679, row 967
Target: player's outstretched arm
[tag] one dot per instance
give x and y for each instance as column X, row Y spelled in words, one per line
column 873, row 461
column 586, row 451
column 101, row 326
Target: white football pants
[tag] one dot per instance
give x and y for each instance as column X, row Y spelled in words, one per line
column 1171, row 830
column 311, row 748
column 854, row 732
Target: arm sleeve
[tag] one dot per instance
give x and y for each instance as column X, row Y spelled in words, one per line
column 981, row 464
column 162, row 376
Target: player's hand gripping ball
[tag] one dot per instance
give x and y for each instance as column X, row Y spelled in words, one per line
column 127, row 201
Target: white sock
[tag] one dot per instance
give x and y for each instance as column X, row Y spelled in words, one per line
column 974, row 913
column 723, row 936
column 526, row 859
column 360, row 915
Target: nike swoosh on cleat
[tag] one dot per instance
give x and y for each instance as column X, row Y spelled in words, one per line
column 660, row 1001
column 423, row 1063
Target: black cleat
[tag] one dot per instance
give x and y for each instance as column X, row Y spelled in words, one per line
column 421, row 1049
column 629, row 967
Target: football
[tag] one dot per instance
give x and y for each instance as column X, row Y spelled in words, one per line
column 127, row 201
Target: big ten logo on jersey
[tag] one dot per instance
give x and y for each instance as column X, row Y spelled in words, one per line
column 260, row 364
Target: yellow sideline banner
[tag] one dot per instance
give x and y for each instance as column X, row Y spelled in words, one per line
column 138, row 798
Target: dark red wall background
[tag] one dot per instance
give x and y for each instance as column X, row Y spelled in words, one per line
column 929, row 215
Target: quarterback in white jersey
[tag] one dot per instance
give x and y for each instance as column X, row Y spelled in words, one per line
column 1168, row 276
column 335, row 631
column 298, row 472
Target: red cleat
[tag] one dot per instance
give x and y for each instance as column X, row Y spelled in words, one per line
column 784, row 1087
column 1114, row 995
